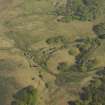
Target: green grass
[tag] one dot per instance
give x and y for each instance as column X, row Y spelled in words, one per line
column 22, row 40
column 7, row 86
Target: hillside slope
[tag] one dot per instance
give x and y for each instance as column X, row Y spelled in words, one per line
column 38, row 48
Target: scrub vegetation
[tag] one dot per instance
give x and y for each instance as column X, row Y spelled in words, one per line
column 52, row 52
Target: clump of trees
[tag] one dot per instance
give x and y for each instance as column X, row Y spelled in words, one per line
column 72, row 51
column 101, row 71
column 99, row 29
column 82, row 9
column 26, row 96
column 58, row 40
column 83, row 62
column 86, row 46
column 94, row 93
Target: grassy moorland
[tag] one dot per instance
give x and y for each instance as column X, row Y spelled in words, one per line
column 51, row 51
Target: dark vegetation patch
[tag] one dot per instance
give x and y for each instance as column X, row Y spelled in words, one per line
column 72, row 51
column 26, row 96
column 84, row 10
column 94, row 93
column 87, row 46
column 99, row 29
column 62, row 40
column 101, row 71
